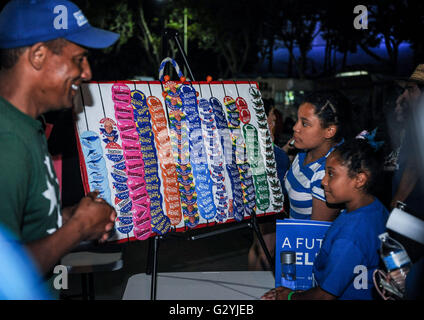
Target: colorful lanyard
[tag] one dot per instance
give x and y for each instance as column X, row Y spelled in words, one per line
column 138, row 200
column 181, row 151
column 254, row 155
column 210, row 181
column 159, row 221
column 240, row 159
column 95, row 162
column 235, row 202
column 165, row 159
column 271, row 166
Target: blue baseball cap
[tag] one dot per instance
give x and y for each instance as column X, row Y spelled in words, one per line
column 25, row 22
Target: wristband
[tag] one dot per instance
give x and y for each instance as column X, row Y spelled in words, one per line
column 289, row 297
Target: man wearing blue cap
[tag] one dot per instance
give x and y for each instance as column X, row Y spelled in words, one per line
column 43, row 62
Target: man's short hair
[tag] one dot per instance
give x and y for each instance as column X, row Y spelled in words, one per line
column 9, row 57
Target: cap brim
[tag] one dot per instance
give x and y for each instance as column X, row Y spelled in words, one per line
column 92, row 37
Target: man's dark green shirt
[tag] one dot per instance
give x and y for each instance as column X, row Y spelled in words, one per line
column 29, row 190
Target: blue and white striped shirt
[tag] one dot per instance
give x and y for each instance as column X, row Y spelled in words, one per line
column 303, row 182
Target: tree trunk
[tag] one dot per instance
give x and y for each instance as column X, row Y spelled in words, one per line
column 147, row 40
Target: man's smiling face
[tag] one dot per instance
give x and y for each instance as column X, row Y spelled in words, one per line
column 63, row 73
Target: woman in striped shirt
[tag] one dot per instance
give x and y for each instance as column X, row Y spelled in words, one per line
column 323, row 120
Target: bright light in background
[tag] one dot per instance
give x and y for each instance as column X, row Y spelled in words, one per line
column 352, row 74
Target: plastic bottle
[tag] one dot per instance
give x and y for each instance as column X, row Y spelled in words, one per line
column 288, row 269
column 395, row 259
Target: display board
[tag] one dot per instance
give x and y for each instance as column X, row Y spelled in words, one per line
column 172, row 156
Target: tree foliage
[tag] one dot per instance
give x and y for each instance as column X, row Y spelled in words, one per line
column 229, row 38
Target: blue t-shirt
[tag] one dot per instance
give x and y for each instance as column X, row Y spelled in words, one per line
column 19, row 277
column 349, row 249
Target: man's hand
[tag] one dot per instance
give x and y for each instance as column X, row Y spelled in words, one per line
column 67, row 213
column 95, row 217
column 91, row 219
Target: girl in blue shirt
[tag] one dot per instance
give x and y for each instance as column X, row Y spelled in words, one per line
column 349, row 253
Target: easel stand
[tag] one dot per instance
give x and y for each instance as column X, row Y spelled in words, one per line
column 153, row 248
column 152, row 262
column 171, row 34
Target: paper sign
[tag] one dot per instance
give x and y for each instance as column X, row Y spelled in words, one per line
column 304, row 237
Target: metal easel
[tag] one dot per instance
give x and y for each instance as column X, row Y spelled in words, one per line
column 153, row 248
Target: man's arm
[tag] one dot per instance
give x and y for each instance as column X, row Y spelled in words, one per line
column 406, row 184
column 92, row 220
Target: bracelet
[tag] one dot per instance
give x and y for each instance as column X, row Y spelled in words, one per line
column 289, row 296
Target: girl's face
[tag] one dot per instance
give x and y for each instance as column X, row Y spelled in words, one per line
column 338, row 186
column 308, row 132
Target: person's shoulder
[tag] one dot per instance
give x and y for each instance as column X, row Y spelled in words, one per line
column 299, row 158
column 12, row 140
column 376, row 208
column 13, row 121
column 379, row 211
column 280, row 154
column 319, row 171
column 13, row 132
column 14, row 149
column 368, row 220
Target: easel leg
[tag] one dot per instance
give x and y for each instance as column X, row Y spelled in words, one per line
column 154, row 269
column 149, row 256
column 254, row 225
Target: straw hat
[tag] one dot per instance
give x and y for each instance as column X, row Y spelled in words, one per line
column 418, row 74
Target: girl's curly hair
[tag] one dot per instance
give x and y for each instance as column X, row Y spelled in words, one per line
column 359, row 156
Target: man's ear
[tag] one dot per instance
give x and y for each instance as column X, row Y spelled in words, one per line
column 330, row 131
column 37, row 55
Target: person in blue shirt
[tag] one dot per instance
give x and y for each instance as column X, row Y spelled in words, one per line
column 349, row 254
column 19, row 277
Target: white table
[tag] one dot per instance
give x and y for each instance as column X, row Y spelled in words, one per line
column 228, row 285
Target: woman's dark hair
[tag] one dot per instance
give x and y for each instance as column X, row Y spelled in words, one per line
column 333, row 108
column 279, row 123
column 359, row 156
column 268, row 104
column 278, row 129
